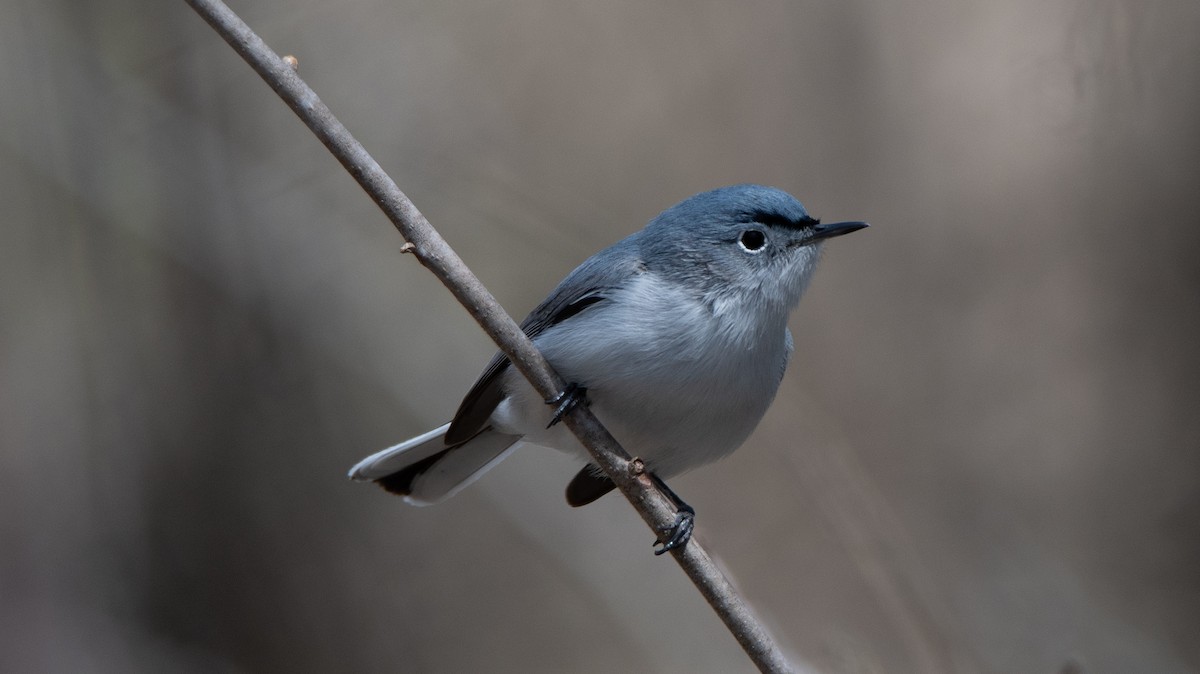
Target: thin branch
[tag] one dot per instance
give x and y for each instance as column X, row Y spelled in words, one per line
column 434, row 253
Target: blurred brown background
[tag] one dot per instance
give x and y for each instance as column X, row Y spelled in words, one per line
column 985, row 456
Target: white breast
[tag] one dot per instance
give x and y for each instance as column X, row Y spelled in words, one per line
column 678, row 381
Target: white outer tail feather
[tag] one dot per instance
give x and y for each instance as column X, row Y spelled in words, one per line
column 461, row 467
column 394, row 458
column 449, row 475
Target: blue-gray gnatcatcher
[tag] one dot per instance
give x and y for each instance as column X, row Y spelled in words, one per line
column 675, row 336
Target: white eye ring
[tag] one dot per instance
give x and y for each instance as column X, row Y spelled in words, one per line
column 752, row 241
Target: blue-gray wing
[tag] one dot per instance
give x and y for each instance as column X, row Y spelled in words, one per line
column 590, row 284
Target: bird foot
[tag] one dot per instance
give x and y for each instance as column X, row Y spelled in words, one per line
column 685, row 520
column 570, row 398
column 680, row 532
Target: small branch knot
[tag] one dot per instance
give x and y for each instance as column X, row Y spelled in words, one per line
column 637, row 467
column 292, row 61
column 408, row 247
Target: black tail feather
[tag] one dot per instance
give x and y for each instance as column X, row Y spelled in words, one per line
column 400, row 482
column 588, row 485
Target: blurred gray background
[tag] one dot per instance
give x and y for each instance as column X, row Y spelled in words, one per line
column 984, row 458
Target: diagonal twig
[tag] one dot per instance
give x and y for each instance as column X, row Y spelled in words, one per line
column 435, row 254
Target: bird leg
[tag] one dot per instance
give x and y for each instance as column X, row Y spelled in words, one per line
column 681, row 531
column 685, row 516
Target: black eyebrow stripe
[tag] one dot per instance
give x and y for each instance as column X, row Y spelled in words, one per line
column 774, row 219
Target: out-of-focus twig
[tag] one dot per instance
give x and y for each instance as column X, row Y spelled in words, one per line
column 436, row 255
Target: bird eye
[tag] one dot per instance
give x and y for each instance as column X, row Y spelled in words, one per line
column 752, row 240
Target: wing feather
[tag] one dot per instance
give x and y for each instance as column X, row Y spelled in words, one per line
column 589, row 285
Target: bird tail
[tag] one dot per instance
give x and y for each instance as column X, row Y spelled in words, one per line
column 425, row 470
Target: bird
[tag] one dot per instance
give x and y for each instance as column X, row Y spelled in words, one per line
column 676, row 337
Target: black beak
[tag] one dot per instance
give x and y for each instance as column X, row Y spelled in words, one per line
column 834, row 229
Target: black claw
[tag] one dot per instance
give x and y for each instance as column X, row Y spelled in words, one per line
column 681, row 531
column 685, row 520
column 570, row 398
